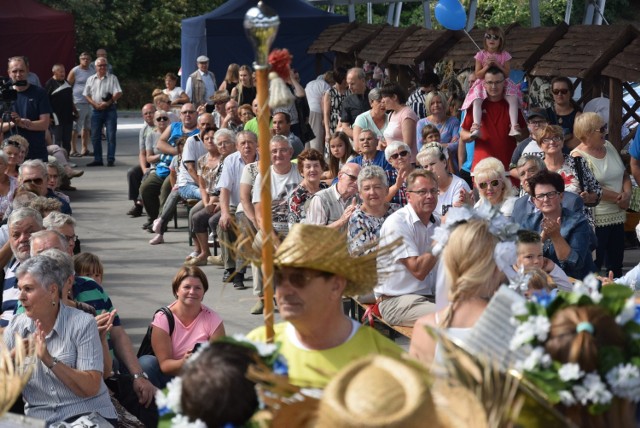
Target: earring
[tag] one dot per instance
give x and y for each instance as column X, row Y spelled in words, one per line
column 53, row 303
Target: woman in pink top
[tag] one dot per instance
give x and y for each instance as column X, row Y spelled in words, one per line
column 194, row 324
column 402, row 119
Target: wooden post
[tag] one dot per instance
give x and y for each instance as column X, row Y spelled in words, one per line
column 615, row 113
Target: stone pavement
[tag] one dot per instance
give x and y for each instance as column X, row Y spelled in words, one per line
column 137, row 275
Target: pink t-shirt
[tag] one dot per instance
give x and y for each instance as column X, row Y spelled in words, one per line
column 393, row 131
column 184, row 337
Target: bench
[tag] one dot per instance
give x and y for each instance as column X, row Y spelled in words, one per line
column 358, row 310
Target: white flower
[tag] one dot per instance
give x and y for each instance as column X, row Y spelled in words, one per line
column 624, row 380
column 592, row 390
column 161, row 399
column 504, row 255
column 536, row 358
column 174, row 394
column 181, row 421
column 567, row 398
column 536, row 326
column 588, row 287
column 628, row 312
column 519, row 308
column 570, row 371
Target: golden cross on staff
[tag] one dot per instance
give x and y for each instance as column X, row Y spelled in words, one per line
column 261, row 26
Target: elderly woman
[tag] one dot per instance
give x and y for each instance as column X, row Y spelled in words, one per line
column 399, row 156
column 69, row 361
column 375, row 119
column 12, row 148
column 564, row 110
column 577, row 176
column 494, row 186
column 163, row 102
column 8, row 184
column 310, row 166
column 453, row 189
column 607, row 167
column 194, row 323
column 176, row 94
column 449, row 126
column 402, row 119
column 567, row 236
column 366, row 220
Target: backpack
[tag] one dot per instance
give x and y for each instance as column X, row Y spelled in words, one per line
column 145, row 346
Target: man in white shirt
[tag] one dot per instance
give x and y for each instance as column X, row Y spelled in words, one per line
column 406, row 276
column 315, row 91
column 201, row 84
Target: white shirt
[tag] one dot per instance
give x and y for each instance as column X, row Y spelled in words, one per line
column 394, row 279
column 281, row 187
column 209, row 85
column 193, row 150
column 314, row 91
column 230, row 177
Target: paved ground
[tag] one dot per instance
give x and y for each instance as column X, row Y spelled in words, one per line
column 137, row 275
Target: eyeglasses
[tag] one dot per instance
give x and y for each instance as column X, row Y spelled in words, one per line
column 538, row 123
column 71, row 238
column 492, row 183
column 224, row 143
column 548, row 195
column 36, row 181
column 549, row 140
column 162, row 118
column 423, row 192
column 399, row 155
column 187, row 111
column 602, row 130
column 560, row 91
column 11, row 143
column 496, row 83
column 298, row 278
column 351, row 176
column 491, row 36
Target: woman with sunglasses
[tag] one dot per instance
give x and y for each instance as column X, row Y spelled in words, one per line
column 607, row 167
column 398, row 154
column 494, row 186
column 564, row 110
column 566, row 235
column 577, row 176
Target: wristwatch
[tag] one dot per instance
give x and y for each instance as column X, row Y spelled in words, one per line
column 55, row 361
column 139, row 375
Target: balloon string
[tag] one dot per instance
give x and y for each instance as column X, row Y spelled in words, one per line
column 472, row 41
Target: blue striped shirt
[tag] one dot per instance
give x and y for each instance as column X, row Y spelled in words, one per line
column 10, row 293
column 74, row 340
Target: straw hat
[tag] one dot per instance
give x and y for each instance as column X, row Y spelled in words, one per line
column 379, row 391
column 325, row 249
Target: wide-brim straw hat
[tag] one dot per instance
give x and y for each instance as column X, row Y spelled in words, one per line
column 325, row 249
column 380, row 391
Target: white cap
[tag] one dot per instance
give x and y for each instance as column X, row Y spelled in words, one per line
column 202, row 58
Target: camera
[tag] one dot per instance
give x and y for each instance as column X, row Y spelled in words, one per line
column 7, row 93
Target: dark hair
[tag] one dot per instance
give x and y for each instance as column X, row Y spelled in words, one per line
column 189, row 272
column 334, row 163
column 528, row 237
column 215, row 386
column 171, row 76
column 430, row 129
column 546, row 177
column 565, row 80
column 208, row 129
column 310, row 155
column 429, row 78
column 494, row 70
column 287, row 117
column 390, row 89
column 339, row 74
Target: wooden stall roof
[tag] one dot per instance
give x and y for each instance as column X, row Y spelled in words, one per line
column 584, row 51
column 423, row 44
column 464, row 50
column 329, row 36
column 355, row 39
column 527, row 45
column 626, row 65
column 385, row 43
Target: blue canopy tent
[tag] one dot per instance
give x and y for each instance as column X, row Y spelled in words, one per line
column 220, row 35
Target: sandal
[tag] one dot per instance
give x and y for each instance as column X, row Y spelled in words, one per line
column 86, row 153
column 192, row 256
column 196, row 262
column 75, row 155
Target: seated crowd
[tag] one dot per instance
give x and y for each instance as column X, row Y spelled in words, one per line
column 356, row 206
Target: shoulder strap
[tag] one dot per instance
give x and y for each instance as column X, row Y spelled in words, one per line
column 172, row 322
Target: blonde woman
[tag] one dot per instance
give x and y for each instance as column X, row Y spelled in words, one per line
column 494, row 186
column 472, row 278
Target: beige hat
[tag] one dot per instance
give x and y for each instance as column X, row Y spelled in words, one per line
column 380, row 391
column 203, row 58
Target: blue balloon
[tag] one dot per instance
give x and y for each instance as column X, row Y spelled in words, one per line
column 451, row 14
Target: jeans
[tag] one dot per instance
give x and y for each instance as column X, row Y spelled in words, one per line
column 109, row 119
column 151, row 367
column 189, row 191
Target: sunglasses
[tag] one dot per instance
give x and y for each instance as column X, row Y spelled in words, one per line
column 491, row 36
column 492, row 183
column 602, row 130
column 351, row 176
column 298, row 278
column 11, row 143
column 560, row 91
column 401, row 154
column 36, row 181
column 549, row 140
column 162, row 118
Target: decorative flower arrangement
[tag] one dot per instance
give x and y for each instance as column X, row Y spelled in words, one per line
column 169, row 399
column 618, row 372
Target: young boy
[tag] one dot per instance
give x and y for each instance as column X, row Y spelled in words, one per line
column 529, row 252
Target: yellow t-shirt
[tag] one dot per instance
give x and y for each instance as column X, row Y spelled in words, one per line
column 314, row 369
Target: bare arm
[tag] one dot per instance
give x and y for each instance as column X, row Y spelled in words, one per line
column 191, row 169
column 423, row 347
column 123, row 349
column 71, row 77
column 635, row 168
column 162, row 347
column 420, row 266
column 326, row 115
column 245, row 199
column 225, row 217
column 163, row 143
column 182, row 99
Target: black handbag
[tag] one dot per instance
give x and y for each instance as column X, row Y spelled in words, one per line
column 145, row 346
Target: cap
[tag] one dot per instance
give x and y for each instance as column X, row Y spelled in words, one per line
column 203, row 58
column 537, row 112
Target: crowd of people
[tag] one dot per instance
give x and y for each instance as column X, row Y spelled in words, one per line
column 391, row 198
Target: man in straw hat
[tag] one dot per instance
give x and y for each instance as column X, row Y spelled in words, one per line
column 313, row 271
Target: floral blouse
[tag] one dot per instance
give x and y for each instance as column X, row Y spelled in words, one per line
column 298, row 201
column 208, row 174
column 364, row 229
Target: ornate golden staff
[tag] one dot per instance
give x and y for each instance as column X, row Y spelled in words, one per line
column 261, row 26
